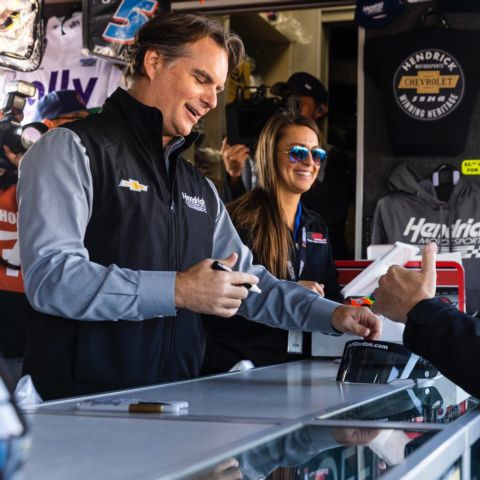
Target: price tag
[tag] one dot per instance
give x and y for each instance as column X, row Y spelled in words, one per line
column 471, row 167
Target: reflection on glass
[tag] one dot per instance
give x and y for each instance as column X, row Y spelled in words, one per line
column 229, row 469
column 14, row 441
column 475, row 460
column 323, row 453
column 454, row 472
column 440, row 402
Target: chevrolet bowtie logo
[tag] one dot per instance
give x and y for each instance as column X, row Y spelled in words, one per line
column 429, row 82
column 133, row 185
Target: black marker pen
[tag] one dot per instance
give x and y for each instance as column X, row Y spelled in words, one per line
column 216, row 265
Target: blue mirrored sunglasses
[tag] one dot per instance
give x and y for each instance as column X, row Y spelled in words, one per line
column 298, row 154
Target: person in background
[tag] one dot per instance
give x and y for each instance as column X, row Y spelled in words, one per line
column 286, row 237
column 54, row 109
column 437, row 331
column 60, row 107
column 332, row 193
column 14, row 305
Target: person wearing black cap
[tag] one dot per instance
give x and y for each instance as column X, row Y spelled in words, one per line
column 239, row 166
column 312, row 95
column 332, row 193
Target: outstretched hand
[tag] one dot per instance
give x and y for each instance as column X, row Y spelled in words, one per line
column 355, row 435
column 204, row 290
column 357, row 320
column 229, row 469
column 401, row 289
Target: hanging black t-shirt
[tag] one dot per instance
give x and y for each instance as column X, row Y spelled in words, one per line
column 429, row 80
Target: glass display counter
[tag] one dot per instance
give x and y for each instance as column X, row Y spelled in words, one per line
column 284, row 422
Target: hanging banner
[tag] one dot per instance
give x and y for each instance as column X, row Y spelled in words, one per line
column 111, row 25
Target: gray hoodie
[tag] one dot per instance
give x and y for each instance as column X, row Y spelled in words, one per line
column 413, row 214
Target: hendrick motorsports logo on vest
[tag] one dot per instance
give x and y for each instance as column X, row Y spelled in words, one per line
column 429, row 84
column 463, row 236
column 196, row 203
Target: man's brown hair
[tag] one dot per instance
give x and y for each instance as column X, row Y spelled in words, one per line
column 171, row 33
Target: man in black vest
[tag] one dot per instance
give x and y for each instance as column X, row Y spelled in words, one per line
column 118, row 233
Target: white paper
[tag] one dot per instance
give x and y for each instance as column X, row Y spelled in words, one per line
column 367, row 281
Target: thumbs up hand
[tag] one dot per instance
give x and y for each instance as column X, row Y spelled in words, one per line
column 401, row 289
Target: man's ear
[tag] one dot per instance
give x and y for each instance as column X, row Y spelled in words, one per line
column 152, row 61
column 49, row 124
column 320, row 110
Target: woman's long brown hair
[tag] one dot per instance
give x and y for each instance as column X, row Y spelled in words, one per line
column 258, row 213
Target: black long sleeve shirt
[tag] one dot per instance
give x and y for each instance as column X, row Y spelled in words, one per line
column 449, row 338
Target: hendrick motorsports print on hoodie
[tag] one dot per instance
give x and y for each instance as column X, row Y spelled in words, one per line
column 413, row 214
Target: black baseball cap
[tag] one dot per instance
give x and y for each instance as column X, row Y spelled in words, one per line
column 302, row 83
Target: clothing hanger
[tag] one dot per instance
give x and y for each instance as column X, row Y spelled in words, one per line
column 432, row 17
column 445, row 174
column 444, row 179
column 74, row 8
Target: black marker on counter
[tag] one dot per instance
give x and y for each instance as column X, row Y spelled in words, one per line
column 216, row 265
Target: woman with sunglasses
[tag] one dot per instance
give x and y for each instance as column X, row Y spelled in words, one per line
column 288, row 239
